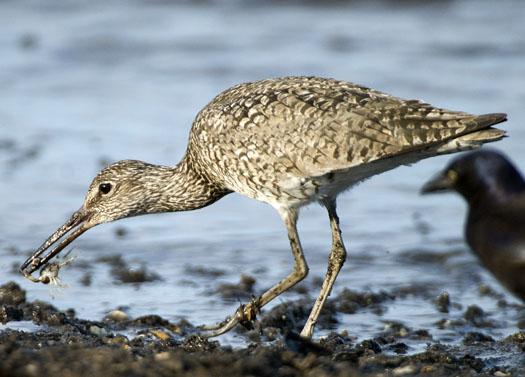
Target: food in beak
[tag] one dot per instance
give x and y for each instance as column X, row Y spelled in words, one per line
column 49, row 273
column 74, row 227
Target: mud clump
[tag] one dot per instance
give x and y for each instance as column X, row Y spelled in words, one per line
column 291, row 316
column 10, row 313
column 476, row 337
column 443, row 302
column 196, row 343
column 131, row 275
column 242, row 290
column 349, row 301
column 124, row 274
column 11, row 298
column 86, row 279
column 12, row 294
column 477, row 317
column 207, row 272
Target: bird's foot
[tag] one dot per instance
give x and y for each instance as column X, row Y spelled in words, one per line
column 245, row 315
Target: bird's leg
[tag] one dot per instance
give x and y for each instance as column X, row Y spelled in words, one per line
column 247, row 313
column 335, row 262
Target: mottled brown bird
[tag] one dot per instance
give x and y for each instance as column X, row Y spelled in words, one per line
column 287, row 142
column 495, row 228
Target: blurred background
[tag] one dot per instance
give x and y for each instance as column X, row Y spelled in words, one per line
column 85, row 83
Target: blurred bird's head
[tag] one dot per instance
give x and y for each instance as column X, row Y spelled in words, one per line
column 476, row 175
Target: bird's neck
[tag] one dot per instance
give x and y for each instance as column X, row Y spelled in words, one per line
column 186, row 189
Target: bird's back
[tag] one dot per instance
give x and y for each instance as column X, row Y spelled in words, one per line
column 273, row 139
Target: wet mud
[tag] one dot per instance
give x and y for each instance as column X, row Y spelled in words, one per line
column 119, row 345
column 124, row 274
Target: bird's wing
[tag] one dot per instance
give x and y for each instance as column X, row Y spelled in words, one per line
column 312, row 126
column 340, row 125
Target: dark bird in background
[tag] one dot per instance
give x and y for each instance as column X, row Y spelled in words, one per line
column 495, row 228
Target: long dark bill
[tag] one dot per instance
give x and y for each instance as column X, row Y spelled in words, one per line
column 75, row 226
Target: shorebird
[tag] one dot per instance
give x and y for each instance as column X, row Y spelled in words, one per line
column 287, row 142
column 495, row 227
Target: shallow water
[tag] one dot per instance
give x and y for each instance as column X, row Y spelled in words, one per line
column 82, row 84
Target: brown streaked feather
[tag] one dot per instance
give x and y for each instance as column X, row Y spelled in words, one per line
column 271, row 130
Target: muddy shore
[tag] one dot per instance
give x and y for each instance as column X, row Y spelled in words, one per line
column 62, row 344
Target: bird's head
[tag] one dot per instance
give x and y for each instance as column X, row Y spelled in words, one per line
column 123, row 189
column 476, row 175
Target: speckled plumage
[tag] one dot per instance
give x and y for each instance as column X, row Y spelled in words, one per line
column 278, row 140
column 287, row 142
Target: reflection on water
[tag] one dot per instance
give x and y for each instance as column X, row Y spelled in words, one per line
column 82, row 84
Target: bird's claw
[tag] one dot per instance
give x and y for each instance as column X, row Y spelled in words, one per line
column 247, row 314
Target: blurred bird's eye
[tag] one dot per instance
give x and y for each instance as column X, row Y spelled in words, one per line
column 105, row 188
column 452, row 175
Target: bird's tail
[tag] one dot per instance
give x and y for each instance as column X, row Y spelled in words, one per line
column 481, row 133
column 486, row 120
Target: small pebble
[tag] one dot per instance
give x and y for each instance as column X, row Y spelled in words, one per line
column 428, row 369
column 32, row 370
column 161, row 335
column 407, row 369
column 162, row 356
column 118, row 339
column 98, row 331
column 117, row 316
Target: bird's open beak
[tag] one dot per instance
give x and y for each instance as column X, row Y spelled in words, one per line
column 74, row 227
column 441, row 182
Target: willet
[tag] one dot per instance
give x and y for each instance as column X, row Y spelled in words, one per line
column 495, row 227
column 287, row 142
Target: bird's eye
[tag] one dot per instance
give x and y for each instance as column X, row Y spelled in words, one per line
column 452, row 175
column 105, row 188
